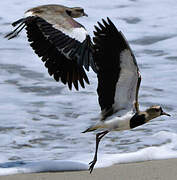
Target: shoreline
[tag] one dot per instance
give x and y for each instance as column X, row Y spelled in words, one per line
column 147, row 170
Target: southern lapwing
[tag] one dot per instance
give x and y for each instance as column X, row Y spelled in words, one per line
column 66, row 48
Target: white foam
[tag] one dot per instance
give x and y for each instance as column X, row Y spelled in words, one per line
column 151, row 153
column 42, row 166
column 166, row 151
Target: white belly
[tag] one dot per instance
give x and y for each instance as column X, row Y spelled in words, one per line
column 118, row 123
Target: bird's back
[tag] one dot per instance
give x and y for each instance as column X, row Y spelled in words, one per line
column 56, row 15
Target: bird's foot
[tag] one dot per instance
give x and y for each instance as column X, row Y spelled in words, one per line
column 92, row 164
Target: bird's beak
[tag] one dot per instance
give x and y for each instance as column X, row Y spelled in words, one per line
column 164, row 113
column 85, row 14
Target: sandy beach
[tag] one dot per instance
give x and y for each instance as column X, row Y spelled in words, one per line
column 149, row 170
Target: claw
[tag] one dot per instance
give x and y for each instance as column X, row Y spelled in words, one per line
column 92, row 164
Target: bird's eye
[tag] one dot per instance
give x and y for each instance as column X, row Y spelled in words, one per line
column 157, row 110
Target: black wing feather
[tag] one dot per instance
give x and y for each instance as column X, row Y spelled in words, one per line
column 53, row 35
column 108, row 45
column 61, row 54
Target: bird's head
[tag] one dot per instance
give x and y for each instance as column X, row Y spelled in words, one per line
column 155, row 111
column 76, row 12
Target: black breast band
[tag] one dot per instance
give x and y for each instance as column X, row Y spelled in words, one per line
column 137, row 120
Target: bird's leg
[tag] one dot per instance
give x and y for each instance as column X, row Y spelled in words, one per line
column 98, row 138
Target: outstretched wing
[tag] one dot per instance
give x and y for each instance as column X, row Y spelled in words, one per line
column 63, row 55
column 118, row 73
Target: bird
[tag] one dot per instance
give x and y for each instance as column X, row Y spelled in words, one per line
column 62, row 43
column 109, row 55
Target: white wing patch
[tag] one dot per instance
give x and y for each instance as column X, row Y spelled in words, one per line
column 127, row 82
column 29, row 13
column 77, row 33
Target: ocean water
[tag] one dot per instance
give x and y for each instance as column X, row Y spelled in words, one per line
column 41, row 120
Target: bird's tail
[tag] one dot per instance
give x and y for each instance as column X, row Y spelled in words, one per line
column 93, row 128
column 89, row 129
column 21, row 24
